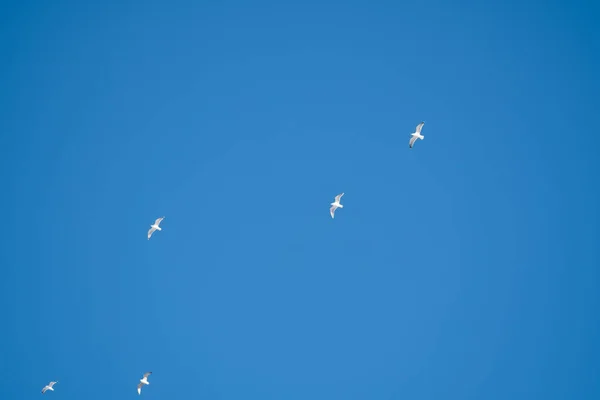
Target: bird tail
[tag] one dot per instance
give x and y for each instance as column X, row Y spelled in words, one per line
column 159, row 228
column 341, row 206
column 421, row 137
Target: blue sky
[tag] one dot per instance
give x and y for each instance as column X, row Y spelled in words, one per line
column 465, row 268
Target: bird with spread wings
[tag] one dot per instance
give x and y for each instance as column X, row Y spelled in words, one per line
column 143, row 381
column 336, row 204
column 48, row 387
column 155, row 226
column 416, row 135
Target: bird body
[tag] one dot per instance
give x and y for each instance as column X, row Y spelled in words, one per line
column 155, row 227
column 336, row 204
column 416, row 135
column 49, row 387
column 143, row 381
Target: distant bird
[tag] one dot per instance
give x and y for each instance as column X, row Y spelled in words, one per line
column 336, row 204
column 155, row 227
column 416, row 135
column 143, row 381
column 48, row 387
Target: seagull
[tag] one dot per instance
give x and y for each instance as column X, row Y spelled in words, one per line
column 143, row 381
column 416, row 135
column 155, row 227
column 48, row 387
column 336, row 204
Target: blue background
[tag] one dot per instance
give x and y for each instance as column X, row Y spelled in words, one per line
column 465, row 268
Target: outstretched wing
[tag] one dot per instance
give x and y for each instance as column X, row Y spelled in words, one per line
column 140, row 387
column 44, row 389
column 338, row 197
column 412, row 141
column 147, row 374
column 51, row 384
column 419, row 127
column 158, row 220
column 150, row 232
column 332, row 210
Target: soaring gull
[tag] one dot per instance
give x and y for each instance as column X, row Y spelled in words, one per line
column 48, row 387
column 416, row 135
column 336, row 204
column 155, row 227
column 143, row 381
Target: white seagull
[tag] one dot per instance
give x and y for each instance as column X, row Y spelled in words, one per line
column 143, row 381
column 416, row 135
column 48, row 387
column 336, row 204
column 155, row 227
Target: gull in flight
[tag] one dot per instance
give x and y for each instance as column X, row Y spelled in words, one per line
column 336, row 204
column 155, row 227
column 416, row 135
column 143, row 381
column 48, row 387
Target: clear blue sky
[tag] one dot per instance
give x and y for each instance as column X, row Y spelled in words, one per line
column 465, row 268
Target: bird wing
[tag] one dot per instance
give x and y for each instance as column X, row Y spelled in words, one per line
column 140, row 387
column 332, row 210
column 51, row 384
column 419, row 127
column 150, row 231
column 412, row 141
column 158, row 220
column 44, row 389
column 338, row 197
column 147, row 374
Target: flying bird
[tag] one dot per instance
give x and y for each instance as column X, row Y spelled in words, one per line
column 48, row 387
column 416, row 135
column 143, row 381
column 155, row 227
column 336, row 204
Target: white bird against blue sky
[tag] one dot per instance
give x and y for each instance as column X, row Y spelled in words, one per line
column 416, row 135
column 49, row 387
column 336, row 204
column 143, row 381
column 155, row 227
